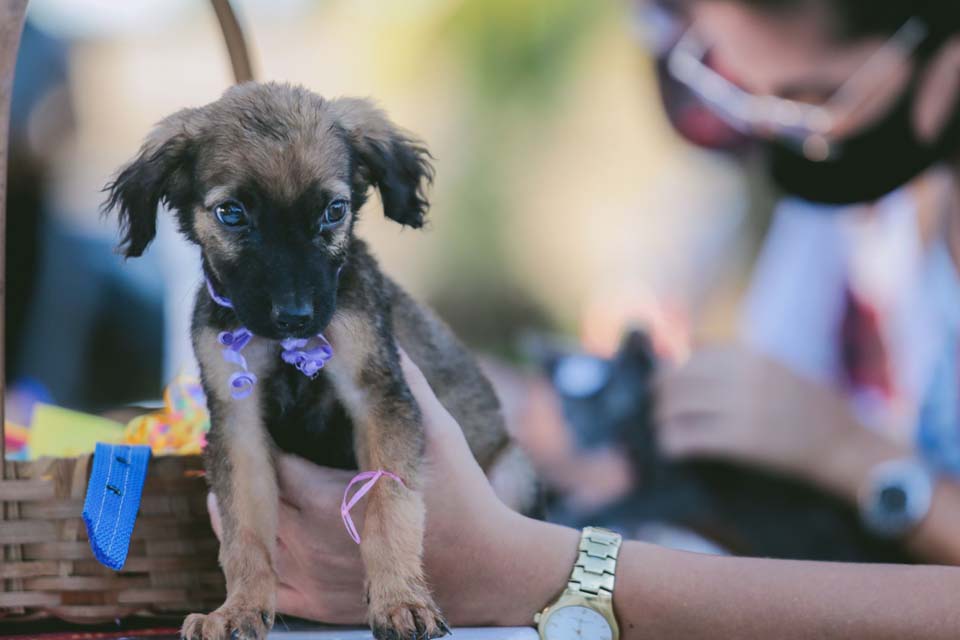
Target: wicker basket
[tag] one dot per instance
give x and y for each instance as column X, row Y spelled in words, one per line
column 47, row 568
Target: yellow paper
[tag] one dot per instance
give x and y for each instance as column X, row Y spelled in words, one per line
column 63, row 433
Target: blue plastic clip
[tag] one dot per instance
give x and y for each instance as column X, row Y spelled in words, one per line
column 113, row 499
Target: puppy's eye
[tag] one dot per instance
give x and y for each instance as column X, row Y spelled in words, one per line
column 335, row 213
column 231, row 214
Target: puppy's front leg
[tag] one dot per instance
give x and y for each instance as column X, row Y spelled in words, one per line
column 389, row 435
column 239, row 461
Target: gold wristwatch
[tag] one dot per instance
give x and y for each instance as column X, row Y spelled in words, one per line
column 585, row 608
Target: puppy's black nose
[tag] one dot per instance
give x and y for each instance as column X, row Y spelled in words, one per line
column 292, row 317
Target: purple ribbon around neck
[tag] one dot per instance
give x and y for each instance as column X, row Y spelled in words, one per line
column 241, row 382
column 220, row 300
column 308, row 355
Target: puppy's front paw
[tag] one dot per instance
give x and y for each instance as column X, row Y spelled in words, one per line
column 228, row 623
column 408, row 621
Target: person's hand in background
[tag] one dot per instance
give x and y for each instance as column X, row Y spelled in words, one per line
column 733, row 404
column 471, row 543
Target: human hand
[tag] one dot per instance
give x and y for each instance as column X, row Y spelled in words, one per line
column 731, row 403
column 483, row 560
column 314, row 555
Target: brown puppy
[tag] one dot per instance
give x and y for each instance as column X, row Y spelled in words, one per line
column 268, row 181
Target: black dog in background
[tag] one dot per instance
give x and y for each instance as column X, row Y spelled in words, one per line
column 745, row 511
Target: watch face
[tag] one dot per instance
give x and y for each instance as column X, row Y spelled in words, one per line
column 897, row 497
column 893, row 499
column 577, row 623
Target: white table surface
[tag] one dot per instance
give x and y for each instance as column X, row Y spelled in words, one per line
column 502, row 633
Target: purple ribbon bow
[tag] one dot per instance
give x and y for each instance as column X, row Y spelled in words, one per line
column 308, row 358
column 308, row 355
column 241, row 382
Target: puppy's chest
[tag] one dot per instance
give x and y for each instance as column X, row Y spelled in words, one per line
column 305, row 417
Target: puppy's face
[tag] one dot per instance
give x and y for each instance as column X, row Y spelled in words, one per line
column 274, row 220
column 268, row 180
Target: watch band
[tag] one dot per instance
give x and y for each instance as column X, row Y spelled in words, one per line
column 595, row 570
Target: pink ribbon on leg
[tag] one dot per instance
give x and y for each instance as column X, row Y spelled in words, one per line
column 371, row 478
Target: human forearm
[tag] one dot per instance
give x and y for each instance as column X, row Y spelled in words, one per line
column 845, row 467
column 516, row 567
column 668, row 594
column 936, row 537
column 847, row 451
column 662, row 593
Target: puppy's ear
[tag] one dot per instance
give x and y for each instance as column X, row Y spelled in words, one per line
column 159, row 171
column 395, row 163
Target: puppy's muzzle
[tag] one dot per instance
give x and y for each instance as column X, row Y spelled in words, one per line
column 292, row 318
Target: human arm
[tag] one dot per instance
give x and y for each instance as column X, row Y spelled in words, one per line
column 490, row 566
column 662, row 593
column 733, row 404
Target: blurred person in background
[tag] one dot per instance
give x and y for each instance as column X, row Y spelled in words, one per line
column 856, row 99
column 83, row 330
column 844, row 376
column 40, row 114
column 847, row 374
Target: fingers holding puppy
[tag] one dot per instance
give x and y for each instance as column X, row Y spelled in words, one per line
column 448, row 454
column 320, row 573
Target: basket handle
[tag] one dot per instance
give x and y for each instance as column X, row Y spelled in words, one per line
column 233, row 37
